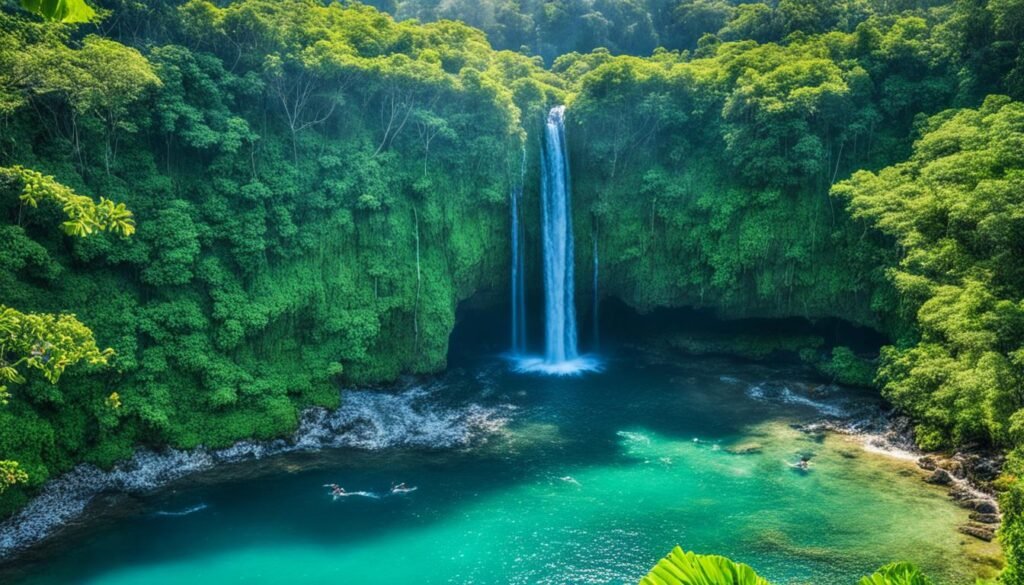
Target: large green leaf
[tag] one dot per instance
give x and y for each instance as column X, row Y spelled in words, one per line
column 60, row 10
column 687, row 568
column 897, row 574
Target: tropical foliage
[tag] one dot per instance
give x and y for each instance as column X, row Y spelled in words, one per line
column 10, row 474
column 85, row 216
column 954, row 209
column 46, row 343
column 896, row 574
column 318, row 186
column 688, row 568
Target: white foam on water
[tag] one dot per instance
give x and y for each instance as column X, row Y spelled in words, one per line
column 370, row 495
column 185, row 512
column 783, row 394
column 634, row 437
column 878, row 445
column 573, row 367
column 876, row 434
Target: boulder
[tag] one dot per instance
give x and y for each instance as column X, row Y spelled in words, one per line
column 939, row 477
column 960, row 493
column 986, row 533
column 927, row 463
column 980, row 467
column 985, row 518
column 955, row 465
column 980, row 506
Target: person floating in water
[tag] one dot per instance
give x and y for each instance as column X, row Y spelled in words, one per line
column 803, row 465
column 339, row 492
column 570, row 479
column 402, row 488
column 336, row 490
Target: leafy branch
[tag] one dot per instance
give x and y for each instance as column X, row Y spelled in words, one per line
column 85, row 216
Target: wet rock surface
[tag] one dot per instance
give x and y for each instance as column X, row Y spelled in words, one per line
column 985, row 518
column 979, row 531
column 980, row 505
column 969, row 476
column 939, row 477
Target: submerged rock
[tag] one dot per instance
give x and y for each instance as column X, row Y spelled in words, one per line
column 745, row 449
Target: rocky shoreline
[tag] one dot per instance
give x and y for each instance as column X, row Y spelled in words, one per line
column 968, row 474
column 367, row 420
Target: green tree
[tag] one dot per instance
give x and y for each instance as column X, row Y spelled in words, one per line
column 11, row 474
column 951, row 209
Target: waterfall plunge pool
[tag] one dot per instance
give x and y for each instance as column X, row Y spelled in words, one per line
column 573, row 480
column 535, row 364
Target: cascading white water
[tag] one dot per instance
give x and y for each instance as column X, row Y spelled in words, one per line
column 561, row 357
column 556, row 218
column 518, row 275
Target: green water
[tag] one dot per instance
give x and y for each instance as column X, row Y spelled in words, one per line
column 646, row 447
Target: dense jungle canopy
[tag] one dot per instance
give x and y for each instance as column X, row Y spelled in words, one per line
column 252, row 203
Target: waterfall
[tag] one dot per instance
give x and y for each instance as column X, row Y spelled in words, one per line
column 561, row 357
column 556, row 217
column 518, row 275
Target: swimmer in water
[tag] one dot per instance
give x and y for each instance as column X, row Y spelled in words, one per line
column 570, row 479
column 402, row 488
column 336, row 490
column 803, row 465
